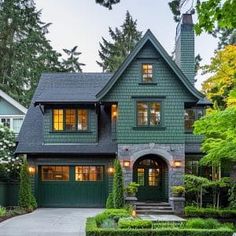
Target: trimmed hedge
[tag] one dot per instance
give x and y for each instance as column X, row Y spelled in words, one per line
column 191, row 211
column 134, row 224
column 93, row 230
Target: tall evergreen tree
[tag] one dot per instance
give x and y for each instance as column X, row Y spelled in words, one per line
column 107, row 3
column 24, row 50
column 113, row 53
column 72, row 64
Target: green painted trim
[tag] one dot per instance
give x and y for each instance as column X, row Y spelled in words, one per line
column 151, row 38
column 148, row 128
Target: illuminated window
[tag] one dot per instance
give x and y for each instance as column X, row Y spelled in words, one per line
column 153, row 175
column 88, row 173
column 82, row 119
column 147, row 73
column 55, row 173
column 70, row 119
column 58, row 119
column 148, row 113
column 140, row 173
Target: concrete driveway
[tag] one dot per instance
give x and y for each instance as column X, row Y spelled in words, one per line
column 49, row 222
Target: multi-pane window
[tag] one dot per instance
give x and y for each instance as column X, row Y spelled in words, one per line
column 55, row 173
column 192, row 167
column 153, row 176
column 190, row 116
column 147, row 73
column 82, row 119
column 58, row 119
column 140, row 173
column 6, row 122
column 148, row 113
column 89, row 173
column 70, row 119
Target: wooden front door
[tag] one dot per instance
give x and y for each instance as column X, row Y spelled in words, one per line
column 150, row 174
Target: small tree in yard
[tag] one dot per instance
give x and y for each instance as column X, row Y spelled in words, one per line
column 26, row 197
column 118, row 186
column 109, row 202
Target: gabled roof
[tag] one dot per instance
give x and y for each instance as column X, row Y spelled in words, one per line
column 70, row 87
column 13, row 102
column 151, row 38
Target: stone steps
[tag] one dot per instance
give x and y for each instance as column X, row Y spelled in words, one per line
column 160, row 208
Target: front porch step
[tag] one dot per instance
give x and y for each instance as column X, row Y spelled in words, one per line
column 155, row 208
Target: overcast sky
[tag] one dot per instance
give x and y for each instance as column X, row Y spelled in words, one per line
column 83, row 23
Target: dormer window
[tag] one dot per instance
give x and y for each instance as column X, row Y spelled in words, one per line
column 70, row 120
column 147, row 73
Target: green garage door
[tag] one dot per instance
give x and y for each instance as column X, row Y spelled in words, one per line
column 72, row 186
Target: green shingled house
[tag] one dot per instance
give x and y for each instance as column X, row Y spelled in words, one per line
column 78, row 123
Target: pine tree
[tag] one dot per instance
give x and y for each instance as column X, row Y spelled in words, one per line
column 118, row 186
column 26, row 198
column 107, row 3
column 24, row 50
column 113, row 53
column 72, row 64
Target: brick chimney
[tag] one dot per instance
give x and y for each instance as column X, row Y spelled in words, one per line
column 184, row 46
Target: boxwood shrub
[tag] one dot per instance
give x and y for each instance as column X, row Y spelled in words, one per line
column 191, row 211
column 93, row 230
column 134, row 224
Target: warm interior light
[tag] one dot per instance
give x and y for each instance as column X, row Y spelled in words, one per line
column 126, row 163
column 31, row 170
column 111, row 170
column 134, row 214
column 177, row 164
column 114, row 111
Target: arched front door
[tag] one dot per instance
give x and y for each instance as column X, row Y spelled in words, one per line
column 151, row 173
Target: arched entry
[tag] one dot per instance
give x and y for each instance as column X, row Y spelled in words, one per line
column 151, row 173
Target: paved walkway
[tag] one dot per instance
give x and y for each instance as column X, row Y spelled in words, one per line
column 165, row 218
column 48, row 222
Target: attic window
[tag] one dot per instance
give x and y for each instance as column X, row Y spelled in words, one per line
column 147, row 73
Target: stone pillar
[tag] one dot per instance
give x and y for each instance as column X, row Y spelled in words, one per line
column 177, row 204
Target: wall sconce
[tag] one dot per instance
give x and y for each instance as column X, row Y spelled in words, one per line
column 31, row 170
column 177, row 164
column 111, row 170
column 126, row 164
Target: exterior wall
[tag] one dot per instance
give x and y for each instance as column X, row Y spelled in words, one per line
column 167, row 88
column 7, row 109
column 89, row 136
column 168, row 152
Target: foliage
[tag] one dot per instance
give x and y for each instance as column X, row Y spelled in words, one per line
column 26, row 198
column 215, row 13
column 93, row 230
column 72, row 64
column 132, row 188
column 114, row 214
column 130, row 223
column 222, row 80
column 232, row 195
column 191, row 211
column 107, row 3
column 109, row 223
column 112, row 54
column 9, row 165
column 199, row 223
column 2, row 211
column 169, row 225
column 196, row 185
column 178, row 190
column 109, row 202
column 118, row 186
column 24, row 50
column 219, row 130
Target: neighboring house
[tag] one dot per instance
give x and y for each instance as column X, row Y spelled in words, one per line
column 78, row 123
column 12, row 113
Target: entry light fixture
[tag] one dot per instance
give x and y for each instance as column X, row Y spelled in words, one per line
column 31, row 170
column 126, row 163
column 111, row 170
column 177, row 163
column 134, row 213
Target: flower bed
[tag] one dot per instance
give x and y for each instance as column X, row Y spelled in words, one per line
column 9, row 213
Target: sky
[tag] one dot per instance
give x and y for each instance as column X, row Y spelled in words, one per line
column 84, row 23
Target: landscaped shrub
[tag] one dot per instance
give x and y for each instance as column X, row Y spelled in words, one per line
column 134, row 224
column 114, row 214
column 109, row 224
column 118, row 186
column 109, row 202
column 2, row 211
column 93, row 230
column 199, row 223
column 161, row 225
column 191, row 211
column 26, row 198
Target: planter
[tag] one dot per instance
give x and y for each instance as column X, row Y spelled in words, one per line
column 177, row 204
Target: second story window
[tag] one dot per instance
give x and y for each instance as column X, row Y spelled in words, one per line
column 147, row 73
column 70, row 119
column 190, row 116
column 148, row 113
